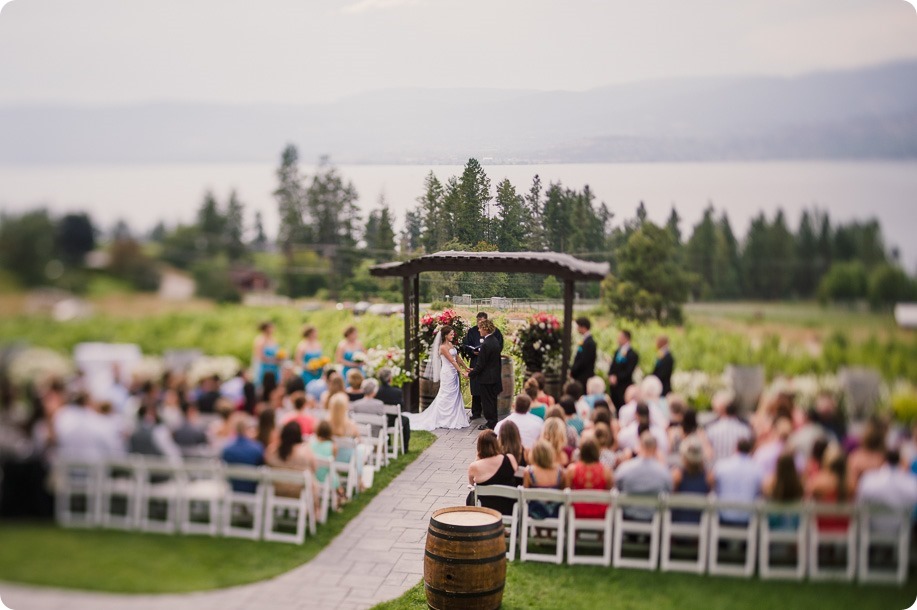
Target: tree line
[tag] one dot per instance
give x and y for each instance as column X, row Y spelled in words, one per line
column 324, row 246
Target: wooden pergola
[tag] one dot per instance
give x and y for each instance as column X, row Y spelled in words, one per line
column 564, row 267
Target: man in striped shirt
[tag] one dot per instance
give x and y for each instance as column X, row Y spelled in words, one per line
column 725, row 433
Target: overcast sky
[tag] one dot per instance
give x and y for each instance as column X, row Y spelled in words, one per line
column 113, row 51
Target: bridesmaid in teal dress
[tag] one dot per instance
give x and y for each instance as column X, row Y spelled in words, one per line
column 264, row 353
column 323, row 446
column 347, row 350
column 307, row 350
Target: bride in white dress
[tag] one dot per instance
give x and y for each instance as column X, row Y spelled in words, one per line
column 448, row 409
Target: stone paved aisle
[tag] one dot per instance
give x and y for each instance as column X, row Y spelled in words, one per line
column 377, row 557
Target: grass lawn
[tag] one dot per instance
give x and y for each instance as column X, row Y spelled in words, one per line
column 532, row 585
column 128, row 562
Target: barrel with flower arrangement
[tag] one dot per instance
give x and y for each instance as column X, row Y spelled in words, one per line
column 539, row 344
column 429, row 323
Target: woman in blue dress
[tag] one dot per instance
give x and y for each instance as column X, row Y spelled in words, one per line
column 264, row 353
column 347, row 350
column 309, row 350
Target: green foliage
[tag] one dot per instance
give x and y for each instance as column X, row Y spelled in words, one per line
column 27, row 246
column 650, row 283
column 513, row 219
column 904, row 403
column 128, row 262
column 469, row 199
column 889, row 285
column 104, row 560
column 844, row 283
column 214, row 280
column 551, row 288
column 538, row 585
column 74, row 238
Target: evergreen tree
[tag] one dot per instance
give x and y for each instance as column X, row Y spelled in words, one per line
column 700, row 252
column 755, row 258
column 673, row 225
column 808, row 267
column 472, row 222
column 729, row 262
column 433, row 219
column 412, row 232
column 259, row 243
column 557, row 218
column 535, row 205
column 211, row 224
column 234, row 235
column 332, row 207
column 75, row 237
column 513, row 221
column 379, row 233
column 782, row 256
column 291, row 204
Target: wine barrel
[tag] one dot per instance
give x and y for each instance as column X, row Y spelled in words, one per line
column 505, row 399
column 552, row 384
column 428, row 389
column 465, row 560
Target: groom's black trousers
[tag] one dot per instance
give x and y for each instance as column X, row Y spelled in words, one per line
column 489, row 394
column 475, row 406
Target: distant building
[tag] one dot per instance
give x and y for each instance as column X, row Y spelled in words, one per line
column 906, row 315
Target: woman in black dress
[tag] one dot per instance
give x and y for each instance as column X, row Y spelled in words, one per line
column 493, row 468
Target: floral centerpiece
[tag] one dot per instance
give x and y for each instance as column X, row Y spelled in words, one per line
column 224, row 367
column 38, row 365
column 539, row 342
column 387, row 357
column 429, row 322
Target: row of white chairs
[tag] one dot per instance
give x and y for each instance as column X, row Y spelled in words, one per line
column 203, row 496
column 773, row 532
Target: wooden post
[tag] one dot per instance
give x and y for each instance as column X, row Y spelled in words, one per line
column 568, row 330
column 408, row 389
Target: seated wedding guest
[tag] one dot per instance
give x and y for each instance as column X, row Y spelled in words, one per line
column 317, row 387
column 542, row 383
column 369, row 404
column 769, row 452
column 892, row 487
column 589, row 473
column 555, row 433
column 354, row 383
column 83, row 434
column 651, row 394
column 571, row 414
column 688, row 430
column 171, row 409
column 299, row 415
column 390, row 395
column 511, row 443
column 543, row 473
column 643, row 475
column 691, row 477
column 243, row 450
column 629, row 437
column 627, row 413
column 267, row 427
column 531, row 390
column 600, row 415
column 829, row 486
column 609, row 455
column 323, row 446
column 529, row 425
column 335, row 386
column 870, row 455
column 342, row 426
column 575, row 391
column 738, row 478
column 492, row 467
column 816, row 459
column 784, row 486
column 290, row 453
column 595, row 391
column 725, row 433
column 558, row 412
column 152, row 437
column 190, row 436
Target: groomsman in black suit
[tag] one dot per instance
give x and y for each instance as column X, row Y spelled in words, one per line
column 584, row 361
column 471, row 348
column 621, row 371
column 665, row 364
column 487, row 372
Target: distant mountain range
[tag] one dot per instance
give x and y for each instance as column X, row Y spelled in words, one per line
column 868, row 113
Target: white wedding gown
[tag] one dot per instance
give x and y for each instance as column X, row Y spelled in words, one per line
column 448, row 409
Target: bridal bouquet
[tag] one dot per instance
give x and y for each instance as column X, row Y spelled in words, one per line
column 539, row 341
column 429, row 322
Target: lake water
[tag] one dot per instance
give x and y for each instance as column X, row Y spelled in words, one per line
column 145, row 194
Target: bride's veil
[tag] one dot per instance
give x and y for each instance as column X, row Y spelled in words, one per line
column 434, row 360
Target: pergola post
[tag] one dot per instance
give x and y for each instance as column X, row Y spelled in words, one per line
column 409, row 357
column 568, row 330
column 415, row 332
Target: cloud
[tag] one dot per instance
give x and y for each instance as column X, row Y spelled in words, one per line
column 364, row 6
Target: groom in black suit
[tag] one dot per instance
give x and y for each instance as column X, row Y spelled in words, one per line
column 471, row 348
column 487, row 372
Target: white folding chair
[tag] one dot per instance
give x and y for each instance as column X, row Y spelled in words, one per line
column 352, row 470
column 734, row 535
column 243, row 504
column 596, row 532
column 160, row 489
column 277, row 507
column 76, row 493
column 202, row 494
column 883, row 527
column 119, row 487
column 627, row 525
column 376, row 441
column 532, row 525
column 835, row 538
column 682, row 535
column 328, row 495
column 395, row 441
column 783, row 526
column 510, row 521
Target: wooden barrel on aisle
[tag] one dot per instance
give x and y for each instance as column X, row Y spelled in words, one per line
column 464, row 564
column 505, row 399
column 428, row 391
column 552, row 384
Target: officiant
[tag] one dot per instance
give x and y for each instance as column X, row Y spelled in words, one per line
column 471, row 348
